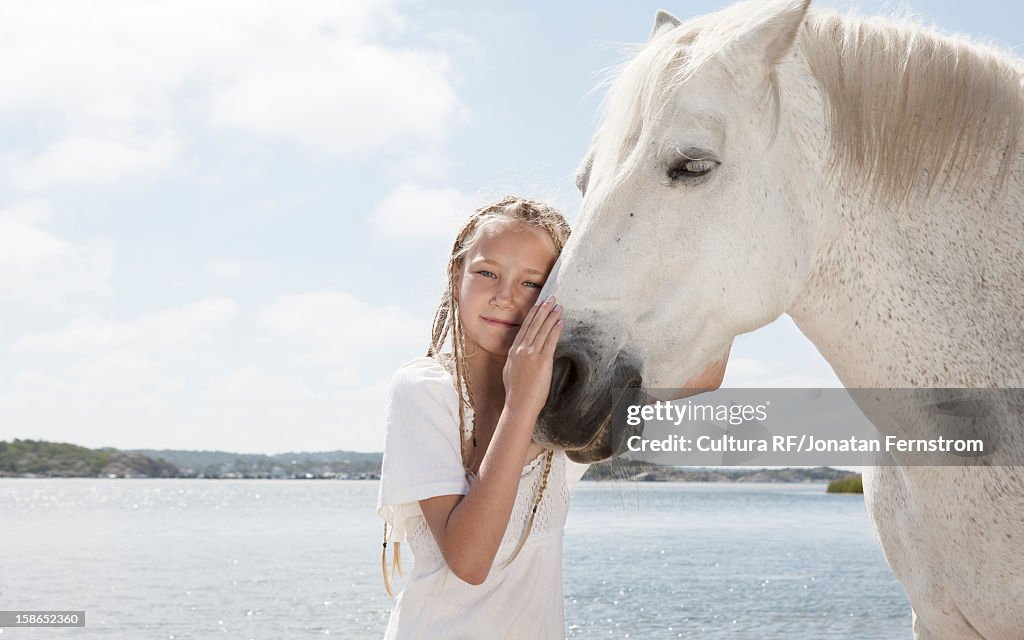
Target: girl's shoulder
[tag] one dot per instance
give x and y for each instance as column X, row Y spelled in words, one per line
column 423, row 376
column 422, row 368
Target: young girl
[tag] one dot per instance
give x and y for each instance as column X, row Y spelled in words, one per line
column 481, row 504
column 484, row 511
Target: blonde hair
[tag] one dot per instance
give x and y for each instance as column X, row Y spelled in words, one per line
column 446, row 325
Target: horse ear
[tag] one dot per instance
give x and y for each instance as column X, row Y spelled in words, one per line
column 663, row 20
column 771, row 31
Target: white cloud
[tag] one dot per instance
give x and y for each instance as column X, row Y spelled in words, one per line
column 335, row 329
column 224, row 268
column 246, row 385
column 414, row 211
column 172, row 333
column 751, row 373
column 119, row 59
column 169, row 379
column 246, row 410
column 121, row 375
column 24, row 246
column 282, row 413
column 115, row 377
column 341, row 98
column 90, row 160
column 747, row 368
column 313, row 73
column 32, row 212
column 116, row 381
column 40, row 268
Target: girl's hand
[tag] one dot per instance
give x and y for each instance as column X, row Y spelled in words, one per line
column 527, row 373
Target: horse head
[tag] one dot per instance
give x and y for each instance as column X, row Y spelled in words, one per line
column 693, row 227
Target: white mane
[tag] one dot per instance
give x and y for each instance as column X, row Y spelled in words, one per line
column 900, row 98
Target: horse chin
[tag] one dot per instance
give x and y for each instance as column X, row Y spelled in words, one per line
column 599, row 448
column 566, row 440
column 607, row 442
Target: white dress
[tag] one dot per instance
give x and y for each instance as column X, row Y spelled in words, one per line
column 422, row 459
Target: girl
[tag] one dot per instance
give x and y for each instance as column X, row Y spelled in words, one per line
column 483, row 512
column 481, row 504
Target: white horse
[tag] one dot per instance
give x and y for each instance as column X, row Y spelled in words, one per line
column 863, row 176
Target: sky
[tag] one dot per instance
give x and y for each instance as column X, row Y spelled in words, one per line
column 224, row 225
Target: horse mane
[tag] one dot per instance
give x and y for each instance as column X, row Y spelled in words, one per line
column 900, row 98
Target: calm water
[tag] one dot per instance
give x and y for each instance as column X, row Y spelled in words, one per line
column 177, row 559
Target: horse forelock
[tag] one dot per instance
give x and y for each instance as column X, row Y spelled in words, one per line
column 641, row 88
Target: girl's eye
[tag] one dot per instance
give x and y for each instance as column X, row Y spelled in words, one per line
column 486, row 274
column 534, row 284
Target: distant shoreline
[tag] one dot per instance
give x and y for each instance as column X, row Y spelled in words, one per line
column 37, row 459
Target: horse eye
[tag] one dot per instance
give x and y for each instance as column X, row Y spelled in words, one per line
column 691, row 168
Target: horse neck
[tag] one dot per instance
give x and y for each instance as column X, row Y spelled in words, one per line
column 922, row 295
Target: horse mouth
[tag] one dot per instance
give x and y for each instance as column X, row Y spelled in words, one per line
column 596, row 449
column 611, row 436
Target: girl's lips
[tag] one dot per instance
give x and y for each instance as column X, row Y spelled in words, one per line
column 499, row 323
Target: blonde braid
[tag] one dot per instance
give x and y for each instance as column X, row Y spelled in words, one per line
column 533, row 512
column 446, row 322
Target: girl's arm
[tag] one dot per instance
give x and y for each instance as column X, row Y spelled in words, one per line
column 468, row 529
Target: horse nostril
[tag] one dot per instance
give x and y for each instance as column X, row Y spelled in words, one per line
column 564, row 376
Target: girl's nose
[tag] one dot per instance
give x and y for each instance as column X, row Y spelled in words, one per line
column 503, row 298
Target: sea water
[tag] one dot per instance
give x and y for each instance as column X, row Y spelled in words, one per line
column 272, row 559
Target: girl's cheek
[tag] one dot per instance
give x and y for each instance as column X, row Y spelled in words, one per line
column 470, row 289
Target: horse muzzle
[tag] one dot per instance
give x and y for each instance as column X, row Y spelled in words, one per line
column 587, row 387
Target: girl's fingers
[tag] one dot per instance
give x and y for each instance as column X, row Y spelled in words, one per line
column 551, row 341
column 549, row 322
column 527, row 323
column 541, row 316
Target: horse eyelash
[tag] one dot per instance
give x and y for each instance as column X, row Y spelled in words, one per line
column 697, row 153
column 678, row 171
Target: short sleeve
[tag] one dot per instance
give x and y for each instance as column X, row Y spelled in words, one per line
column 574, row 472
column 422, row 455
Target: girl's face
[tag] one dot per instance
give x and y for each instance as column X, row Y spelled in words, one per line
column 502, row 275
